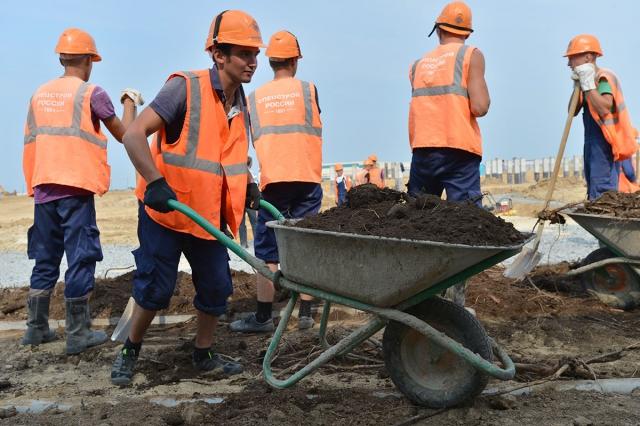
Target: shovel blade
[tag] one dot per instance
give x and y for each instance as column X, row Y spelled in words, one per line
column 121, row 332
column 523, row 264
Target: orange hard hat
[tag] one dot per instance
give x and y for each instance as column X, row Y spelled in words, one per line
column 584, row 43
column 283, row 45
column 368, row 162
column 454, row 18
column 74, row 41
column 234, row 27
column 338, row 167
column 373, row 157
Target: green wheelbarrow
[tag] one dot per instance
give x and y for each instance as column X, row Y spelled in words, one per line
column 436, row 353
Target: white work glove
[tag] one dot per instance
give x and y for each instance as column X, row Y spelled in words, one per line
column 132, row 94
column 586, row 75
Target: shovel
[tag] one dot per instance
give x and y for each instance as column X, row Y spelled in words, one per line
column 121, row 331
column 529, row 257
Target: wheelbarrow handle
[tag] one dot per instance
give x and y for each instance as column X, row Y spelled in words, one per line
column 229, row 243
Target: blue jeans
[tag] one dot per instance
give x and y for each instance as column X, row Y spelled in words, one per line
column 157, row 261
column 67, row 225
column 436, row 169
column 294, row 200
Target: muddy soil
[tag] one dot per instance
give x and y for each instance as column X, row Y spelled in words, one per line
column 616, row 204
column 542, row 330
column 389, row 213
column 110, row 297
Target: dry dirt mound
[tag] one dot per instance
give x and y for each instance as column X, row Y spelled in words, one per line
column 110, row 296
column 616, row 204
column 388, row 213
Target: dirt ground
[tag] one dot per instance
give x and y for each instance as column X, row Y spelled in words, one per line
column 541, row 329
column 546, row 324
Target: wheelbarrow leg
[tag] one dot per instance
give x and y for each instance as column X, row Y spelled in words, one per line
column 322, row 334
column 343, row 346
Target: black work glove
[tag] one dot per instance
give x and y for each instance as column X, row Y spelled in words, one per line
column 253, row 196
column 158, row 194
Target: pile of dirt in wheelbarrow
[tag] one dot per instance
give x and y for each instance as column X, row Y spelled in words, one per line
column 110, row 297
column 389, row 213
column 617, row 204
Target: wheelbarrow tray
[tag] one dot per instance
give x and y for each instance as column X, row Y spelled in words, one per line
column 621, row 235
column 379, row 271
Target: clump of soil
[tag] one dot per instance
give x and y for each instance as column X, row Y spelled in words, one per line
column 389, row 213
column 618, row 204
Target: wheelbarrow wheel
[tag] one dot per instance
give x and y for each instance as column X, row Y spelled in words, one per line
column 426, row 373
column 613, row 279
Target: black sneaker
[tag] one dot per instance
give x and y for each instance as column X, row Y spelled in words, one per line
column 215, row 362
column 122, row 369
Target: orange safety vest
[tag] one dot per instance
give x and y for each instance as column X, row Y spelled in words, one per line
column 207, row 165
column 375, row 177
column 616, row 126
column 439, row 114
column 287, row 131
column 61, row 144
column 347, row 184
column 625, row 185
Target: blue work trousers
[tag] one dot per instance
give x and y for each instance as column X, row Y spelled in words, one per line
column 453, row 170
column 65, row 226
column 157, row 261
column 600, row 170
column 294, row 200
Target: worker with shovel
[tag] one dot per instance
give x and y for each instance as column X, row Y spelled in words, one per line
column 287, row 136
column 608, row 133
column 65, row 164
column 448, row 93
column 198, row 157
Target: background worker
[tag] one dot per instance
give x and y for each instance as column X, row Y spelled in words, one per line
column 627, row 180
column 608, row 133
column 65, row 164
column 287, row 136
column 364, row 175
column 200, row 152
column 376, row 174
column 448, row 93
column 342, row 185
column 248, row 212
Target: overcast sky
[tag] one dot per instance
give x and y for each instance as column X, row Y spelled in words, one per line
column 357, row 52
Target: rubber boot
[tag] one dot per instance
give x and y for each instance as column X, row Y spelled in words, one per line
column 78, row 327
column 38, row 323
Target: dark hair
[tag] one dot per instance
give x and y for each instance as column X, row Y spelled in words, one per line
column 73, row 60
column 278, row 65
column 224, row 48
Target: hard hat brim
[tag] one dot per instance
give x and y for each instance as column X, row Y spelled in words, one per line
column 459, row 31
column 566, row 55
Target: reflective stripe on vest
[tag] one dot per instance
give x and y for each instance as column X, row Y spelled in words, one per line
column 73, row 130
column 190, row 160
column 451, row 89
column 306, row 128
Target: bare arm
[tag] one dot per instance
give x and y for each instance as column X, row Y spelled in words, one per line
column 117, row 127
column 135, row 142
column 477, row 86
column 601, row 103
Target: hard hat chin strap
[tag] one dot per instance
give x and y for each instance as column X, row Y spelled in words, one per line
column 216, row 26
